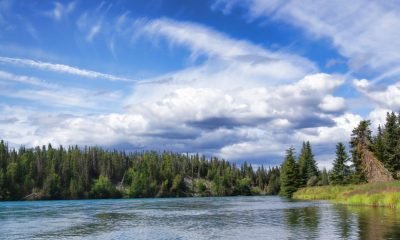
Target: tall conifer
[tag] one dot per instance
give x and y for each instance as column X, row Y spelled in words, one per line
column 289, row 174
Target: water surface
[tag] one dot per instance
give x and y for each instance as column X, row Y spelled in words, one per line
column 195, row 218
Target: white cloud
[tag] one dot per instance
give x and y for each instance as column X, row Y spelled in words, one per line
column 385, row 97
column 51, row 94
column 378, row 117
column 60, row 11
column 95, row 21
column 60, row 68
column 332, row 104
column 341, row 131
column 366, row 32
column 94, row 30
column 22, row 79
column 241, row 100
column 225, row 52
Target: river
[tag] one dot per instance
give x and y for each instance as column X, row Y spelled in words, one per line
column 195, row 218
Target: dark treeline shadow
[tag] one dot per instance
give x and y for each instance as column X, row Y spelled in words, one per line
column 303, row 222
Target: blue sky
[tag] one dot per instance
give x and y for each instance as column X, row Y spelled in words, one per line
column 242, row 80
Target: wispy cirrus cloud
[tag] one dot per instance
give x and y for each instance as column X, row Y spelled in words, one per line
column 94, row 30
column 366, row 32
column 23, row 79
column 60, row 10
column 61, row 68
column 208, row 42
column 261, row 100
column 50, row 94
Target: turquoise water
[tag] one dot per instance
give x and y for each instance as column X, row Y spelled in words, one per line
column 195, row 218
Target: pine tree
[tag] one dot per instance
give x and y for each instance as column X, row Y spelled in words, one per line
column 340, row 172
column 307, row 164
column 289, row 174
column 379, row 146
column 391, row 140
column 360, row 138
column 324, row 178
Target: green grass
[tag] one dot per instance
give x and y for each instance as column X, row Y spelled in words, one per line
column 371, row 194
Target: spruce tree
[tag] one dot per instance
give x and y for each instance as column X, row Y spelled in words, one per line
column 307, row 164
column 360, row 138
column 391, row 137
column 340, row 172
column 379, row 146
column 324, row 178
column 289, row 175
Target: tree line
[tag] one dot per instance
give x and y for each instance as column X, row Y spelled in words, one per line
column 92, row 172
column 347, row 168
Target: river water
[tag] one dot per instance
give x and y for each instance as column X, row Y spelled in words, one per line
column 195, row 218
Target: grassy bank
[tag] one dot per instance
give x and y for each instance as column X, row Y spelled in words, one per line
column 371, row 194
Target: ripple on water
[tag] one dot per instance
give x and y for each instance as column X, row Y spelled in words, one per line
column 194, row 218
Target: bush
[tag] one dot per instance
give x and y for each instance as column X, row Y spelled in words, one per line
column 202, row 187
column 103, row 188
column 245, row 186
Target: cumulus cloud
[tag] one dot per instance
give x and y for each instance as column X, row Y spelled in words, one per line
column 384, row 96
column 239, row 101
column 332, row 104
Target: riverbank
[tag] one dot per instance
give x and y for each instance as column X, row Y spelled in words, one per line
column 370, row 194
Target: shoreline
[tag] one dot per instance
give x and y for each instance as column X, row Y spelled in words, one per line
column 369, row 194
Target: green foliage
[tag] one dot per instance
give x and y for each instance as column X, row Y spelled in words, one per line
column 289, row 177
column 372, row 194
column 75, row 190
column 4, row 194
column 91, row 172
column 341, row 171
column 360, row 137
column 178, row 187
column 274, row 184
column 202, row 188
column 244, row 187
column 52, row 187
column 390, row 143
column 103, row 188
column 307, row 164
column 324, row 178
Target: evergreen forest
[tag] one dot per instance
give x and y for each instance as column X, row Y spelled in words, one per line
column 92, row 172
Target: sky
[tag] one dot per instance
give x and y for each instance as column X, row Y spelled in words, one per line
column 238, row 79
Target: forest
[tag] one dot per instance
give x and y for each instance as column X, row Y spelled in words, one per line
column 372, row 158
column 92, row 172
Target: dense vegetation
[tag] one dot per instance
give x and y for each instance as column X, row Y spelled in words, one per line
column 91, row 172
column 372, row 194
column 384, row 146
column 301, row 172
column 348, row 182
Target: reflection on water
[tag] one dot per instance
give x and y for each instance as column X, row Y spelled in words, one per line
column 195, row 218
column 377, row 223
column 300, row 219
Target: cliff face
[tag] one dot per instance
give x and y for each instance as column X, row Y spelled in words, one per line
column 373, row 168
